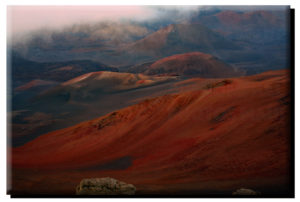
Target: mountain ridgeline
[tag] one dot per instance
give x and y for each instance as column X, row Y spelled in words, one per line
column 193, row 64
column 246, row 39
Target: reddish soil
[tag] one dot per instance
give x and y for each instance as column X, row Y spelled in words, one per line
column 192, row 64
column 34, row 83
column 153, row 41
column 221, row 136
column 110, row 81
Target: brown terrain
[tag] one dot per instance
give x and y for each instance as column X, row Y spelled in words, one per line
column 153, row 41
column 193, row 64
column 88, row 96
column 213, row 137
column 34, row 84
column 112, row 81
column 178, row 38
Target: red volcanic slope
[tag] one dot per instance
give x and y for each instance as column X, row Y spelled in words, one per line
column 178, row 38
column 110, row 81
column 34, row 83
column 104, row 81
column 153, row 41
column 224, row 135
column 193, row 64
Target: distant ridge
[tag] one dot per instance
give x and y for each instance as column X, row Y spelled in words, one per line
column 193, row 64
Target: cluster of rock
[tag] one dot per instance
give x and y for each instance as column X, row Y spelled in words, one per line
column 104, row 186
column 111, row 186
column 245, row 192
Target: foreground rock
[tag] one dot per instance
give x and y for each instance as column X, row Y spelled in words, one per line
column 245, row 192
column 104, row 186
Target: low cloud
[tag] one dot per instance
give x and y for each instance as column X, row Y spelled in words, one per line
column 23, row 19
column 28, row 18
column 100, row 22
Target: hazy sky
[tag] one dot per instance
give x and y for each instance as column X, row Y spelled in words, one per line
column 27, row 18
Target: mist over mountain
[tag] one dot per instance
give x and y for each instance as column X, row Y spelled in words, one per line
column 264, row 26
column 245, row 38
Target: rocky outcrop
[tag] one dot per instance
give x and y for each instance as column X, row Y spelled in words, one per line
column 104, row 186
column 245, row 192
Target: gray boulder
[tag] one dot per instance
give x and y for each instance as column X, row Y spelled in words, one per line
column 104, row 186
column 245, row 192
